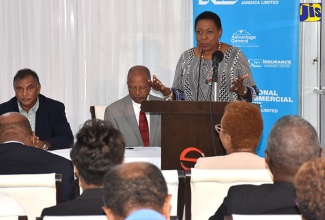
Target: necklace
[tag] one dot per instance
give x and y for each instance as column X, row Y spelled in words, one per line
column 208, row 70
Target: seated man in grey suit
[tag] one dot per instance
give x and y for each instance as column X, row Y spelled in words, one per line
column 124, row 113
column 291, row 142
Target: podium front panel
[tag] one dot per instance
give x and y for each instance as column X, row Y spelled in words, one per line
column 181, row 143
column 187, row 131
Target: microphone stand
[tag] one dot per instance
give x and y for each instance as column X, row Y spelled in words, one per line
column 215, row 66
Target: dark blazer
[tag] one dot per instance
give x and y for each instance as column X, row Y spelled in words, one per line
column 121, row 115
column 90, row 202
column 16, row 158
column 277, row 198
column 51, row 123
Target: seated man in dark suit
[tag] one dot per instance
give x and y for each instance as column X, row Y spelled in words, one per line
column 125, row 114
column 18, row 157
column 46, row 116
column 291, row 142
column 99, row 146
column 136, row 191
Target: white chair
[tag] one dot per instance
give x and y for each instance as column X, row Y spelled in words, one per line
column 171, row 177
column 81, row 217
column 209, row 187
column 32, row 191
column 13, row 217
column 266, row 217
column 97, row 111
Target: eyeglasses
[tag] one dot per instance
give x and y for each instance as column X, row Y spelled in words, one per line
column 218, row 128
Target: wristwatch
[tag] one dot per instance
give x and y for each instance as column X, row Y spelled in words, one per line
column 45, row 147
column 170, row 96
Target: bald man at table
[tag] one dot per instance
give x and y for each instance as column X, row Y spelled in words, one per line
column 19, row 155
column 125, row 114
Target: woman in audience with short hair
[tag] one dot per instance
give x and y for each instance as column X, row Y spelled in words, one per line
column 240, row 132
column 310, row 189
column 98, row 148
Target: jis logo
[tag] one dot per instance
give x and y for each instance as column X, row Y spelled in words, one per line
column 310, row 12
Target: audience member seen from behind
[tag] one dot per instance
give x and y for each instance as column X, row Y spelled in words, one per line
column 291, row 142
column 240, row 132
column 310, row 189
column 136, row 191
column 46, row 116
column 99, row 147
column 18, row 157
column 124, row 114
column 195, row 68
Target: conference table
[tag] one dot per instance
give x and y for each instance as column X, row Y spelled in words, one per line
column 132, row 154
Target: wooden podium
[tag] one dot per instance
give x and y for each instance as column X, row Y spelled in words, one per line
column 187, row 131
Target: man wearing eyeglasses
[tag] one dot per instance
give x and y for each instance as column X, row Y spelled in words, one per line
column 138, row 128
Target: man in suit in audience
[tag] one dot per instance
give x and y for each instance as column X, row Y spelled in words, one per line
column 46, row 116
column 291, row 142
column 17, row 156
column 99, row 147
column 136, row 191
column 124, row 113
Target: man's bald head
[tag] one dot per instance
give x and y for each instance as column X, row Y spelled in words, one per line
column 15, row 127
column 145, row 186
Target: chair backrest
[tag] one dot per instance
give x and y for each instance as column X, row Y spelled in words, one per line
column 14, row 217
column 80, row 217
column 265, row 217
column 97, row 111
column 33, row 192
column 209, row 187
column 171, row 177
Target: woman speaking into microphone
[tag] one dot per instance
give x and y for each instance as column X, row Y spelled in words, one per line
column 194, row 70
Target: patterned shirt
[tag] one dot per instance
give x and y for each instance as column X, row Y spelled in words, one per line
column 31, row 114
column 191, row 71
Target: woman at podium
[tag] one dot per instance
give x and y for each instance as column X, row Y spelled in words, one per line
column 211, row 64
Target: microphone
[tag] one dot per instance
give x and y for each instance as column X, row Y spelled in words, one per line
column 217, row 57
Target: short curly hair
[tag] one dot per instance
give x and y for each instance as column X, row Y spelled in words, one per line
column 99, row 147
column 243, row 122
column 209, row 15
column 310, row 189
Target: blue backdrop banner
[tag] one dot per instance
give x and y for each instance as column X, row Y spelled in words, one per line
column 268, row 34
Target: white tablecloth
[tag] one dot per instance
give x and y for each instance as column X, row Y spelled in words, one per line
column 143, row 154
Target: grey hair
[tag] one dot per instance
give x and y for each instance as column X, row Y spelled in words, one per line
column 291, row 142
